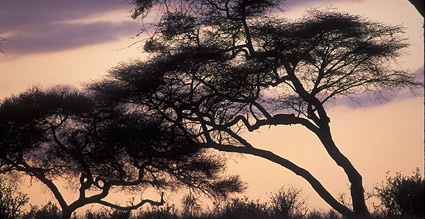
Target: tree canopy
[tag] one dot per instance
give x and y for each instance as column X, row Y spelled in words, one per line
column 216, row 73
column 74, row 136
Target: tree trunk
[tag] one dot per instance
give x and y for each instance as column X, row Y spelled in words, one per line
column 66, row 213
column 356, row 187
column 317, row 186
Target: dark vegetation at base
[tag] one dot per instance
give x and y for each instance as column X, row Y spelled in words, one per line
column 401, row 197
column 238, row 208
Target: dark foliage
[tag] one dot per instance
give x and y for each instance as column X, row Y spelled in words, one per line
column 232, row 209
column 66, row 134
column 11, row 200
column 107, row 213
column 403, row 196
column 206, row 10
column 48, row 211
column 217, row 72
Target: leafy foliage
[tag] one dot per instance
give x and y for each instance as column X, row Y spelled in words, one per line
column 218, row 72
column 11, row 200
column 403, row 196
column 67, row 134
column 231, row 209
column 288, row 203
column 49, row 210
column 107, row 213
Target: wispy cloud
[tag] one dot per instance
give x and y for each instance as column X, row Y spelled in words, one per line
column 57, row 37
column 44, row 25
column 297, row 3
column 386, row 96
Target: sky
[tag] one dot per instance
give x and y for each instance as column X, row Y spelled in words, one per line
column 50, row 42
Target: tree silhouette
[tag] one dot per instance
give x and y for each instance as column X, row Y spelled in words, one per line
column 218, row 68
column 403, row 196
column 64, row 134
column 11, row 201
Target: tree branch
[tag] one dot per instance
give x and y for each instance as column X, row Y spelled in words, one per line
column 133, row 207
column 317, row 186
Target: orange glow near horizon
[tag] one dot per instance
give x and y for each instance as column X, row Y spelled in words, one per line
column 376, row 138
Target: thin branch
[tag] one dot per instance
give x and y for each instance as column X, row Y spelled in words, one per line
column 133, row 207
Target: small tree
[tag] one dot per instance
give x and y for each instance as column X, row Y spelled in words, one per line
column 191, row 205
column 403, row 196
column 49, row 210
column 64, row 134
column 11, row 201
column 288, row 203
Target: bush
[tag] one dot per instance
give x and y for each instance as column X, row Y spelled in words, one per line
column 11, row 201
column 191, row 206
column 244, row 208
column 403, row 196
column 48, row 211
column 163, row 212
column 322, row 215
column 108, row 213
column 287, row 203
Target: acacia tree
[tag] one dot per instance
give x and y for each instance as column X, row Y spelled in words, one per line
column 65, row 134
column 220, row 67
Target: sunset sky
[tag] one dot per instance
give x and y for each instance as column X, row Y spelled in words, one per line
column 50, row 42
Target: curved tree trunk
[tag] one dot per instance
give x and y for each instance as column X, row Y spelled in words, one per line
column 66, row 214
column 356, row 187
column 317, row 186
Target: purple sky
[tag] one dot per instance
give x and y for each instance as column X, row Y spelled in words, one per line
column 41, row 26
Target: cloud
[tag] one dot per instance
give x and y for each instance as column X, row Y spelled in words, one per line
column 19, row 14
column 386, row 96
column 289, row 4
column 45, row 25
column 40, row 26
column 58, row 37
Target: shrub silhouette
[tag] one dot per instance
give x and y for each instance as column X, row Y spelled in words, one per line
column 11, row 200
column 288, row 203
column 108, row 213
column 403, row 196
column 48, row 211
